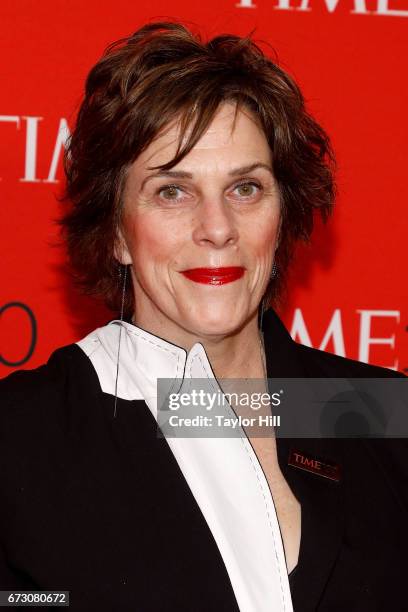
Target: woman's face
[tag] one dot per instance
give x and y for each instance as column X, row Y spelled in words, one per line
column 217, row 208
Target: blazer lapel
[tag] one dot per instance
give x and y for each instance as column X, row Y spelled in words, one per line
column 320, row 497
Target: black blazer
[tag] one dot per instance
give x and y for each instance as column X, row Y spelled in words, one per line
column 98, row 506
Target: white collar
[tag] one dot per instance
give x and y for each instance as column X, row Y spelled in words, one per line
column 143, row 358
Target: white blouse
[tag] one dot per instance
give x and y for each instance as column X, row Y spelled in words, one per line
column 223, row 474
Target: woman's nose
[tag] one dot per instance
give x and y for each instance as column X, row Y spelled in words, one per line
column 214, row 224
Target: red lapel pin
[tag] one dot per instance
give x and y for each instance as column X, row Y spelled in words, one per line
column 316, row 465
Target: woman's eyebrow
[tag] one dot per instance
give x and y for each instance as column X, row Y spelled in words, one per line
column 246, row 169
column 183, row 174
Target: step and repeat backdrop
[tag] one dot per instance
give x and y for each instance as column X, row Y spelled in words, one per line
column 347, row 290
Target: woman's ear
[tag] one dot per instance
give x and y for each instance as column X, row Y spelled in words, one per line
column 121, row 250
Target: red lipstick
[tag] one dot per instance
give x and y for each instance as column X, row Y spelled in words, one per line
column 214, row 276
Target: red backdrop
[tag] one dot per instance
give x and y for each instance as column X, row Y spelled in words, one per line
column 347, row 292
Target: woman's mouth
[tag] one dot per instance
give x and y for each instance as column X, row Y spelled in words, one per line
column 214, row 276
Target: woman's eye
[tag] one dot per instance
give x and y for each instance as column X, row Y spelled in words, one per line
column 169, row 192
column 247, row 189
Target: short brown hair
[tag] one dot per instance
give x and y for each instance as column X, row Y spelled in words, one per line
column 163, row 72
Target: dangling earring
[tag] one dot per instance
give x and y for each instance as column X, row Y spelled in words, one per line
column 261, row 313
column 122, row 273
column 274, row 271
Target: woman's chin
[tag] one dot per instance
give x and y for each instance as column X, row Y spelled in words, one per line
column 215, row 324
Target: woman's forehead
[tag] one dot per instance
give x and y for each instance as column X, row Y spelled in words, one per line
column 242, row 138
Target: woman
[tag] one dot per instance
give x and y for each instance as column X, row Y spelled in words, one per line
column 193, row 169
